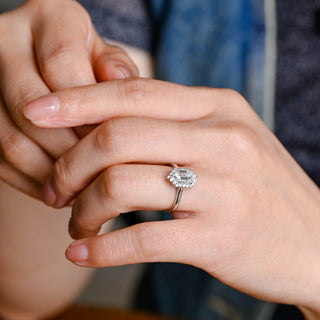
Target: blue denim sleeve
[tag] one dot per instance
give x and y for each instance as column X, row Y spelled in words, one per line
column 212, row 43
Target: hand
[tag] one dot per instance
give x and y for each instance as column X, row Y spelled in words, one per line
column 44, row 46
column 252, row 220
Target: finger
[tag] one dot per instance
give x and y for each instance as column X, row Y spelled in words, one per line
column 67, row 50
column 125, row 188
column 19, row 84
column 112, row 63
column 130, row 97
column 21, row 152
column 165, row 241
column 63, row 49
column 109, row 63
column 19, row 181
column 124, row 140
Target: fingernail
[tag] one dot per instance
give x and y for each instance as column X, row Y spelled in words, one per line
column 49, row 195
column 122, row 72
column 42, row 108
column 181, row 215
column 77, row 253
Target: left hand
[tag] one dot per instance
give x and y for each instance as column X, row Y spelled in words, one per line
column 252, row 220
column 46, row 46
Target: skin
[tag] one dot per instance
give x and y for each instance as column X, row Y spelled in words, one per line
column 28, row 153
column 35, row 278
column 38, row 56
column 35, row 59
column 252, row 220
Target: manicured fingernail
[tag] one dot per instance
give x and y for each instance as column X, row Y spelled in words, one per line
column 42, row 108
column 122, row 72
column 77, row 253
column 49, row 195
column 181, row 215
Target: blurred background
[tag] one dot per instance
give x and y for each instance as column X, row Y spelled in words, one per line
column 9, row 4
column 112, row 287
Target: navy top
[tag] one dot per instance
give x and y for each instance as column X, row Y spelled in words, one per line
column 297, row 117
column 127, row 21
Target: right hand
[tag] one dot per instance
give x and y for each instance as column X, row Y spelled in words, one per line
column 45, row 46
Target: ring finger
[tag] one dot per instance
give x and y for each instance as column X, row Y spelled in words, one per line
column 129, row 187
column 119, row 141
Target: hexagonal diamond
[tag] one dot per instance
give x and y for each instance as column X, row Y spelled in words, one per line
column 182, row 178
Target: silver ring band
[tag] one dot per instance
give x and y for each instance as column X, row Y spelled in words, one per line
column 176, row 202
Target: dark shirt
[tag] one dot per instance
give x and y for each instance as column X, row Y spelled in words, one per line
column 297, row 112
column 297, row 121
column 126, row 21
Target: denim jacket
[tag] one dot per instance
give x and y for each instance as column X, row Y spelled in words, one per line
column 219, row 43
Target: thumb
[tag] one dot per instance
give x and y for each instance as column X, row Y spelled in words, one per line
column 109, row 63
column 112, row 63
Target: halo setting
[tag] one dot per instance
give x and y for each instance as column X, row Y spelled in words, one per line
column 182, row 177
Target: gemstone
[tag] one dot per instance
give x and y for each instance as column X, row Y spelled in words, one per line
column 182, row 178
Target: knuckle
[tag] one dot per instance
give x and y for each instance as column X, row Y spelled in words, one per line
column 245, row 139
column 102, row 137
column 60, row 174
column 233, row 100
column 240, row 138
column 14, row 148
column 233, row 96
column 116, row 186
column 114, row 138
column 132, row 92
column 62, row 52
column 56, row 53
